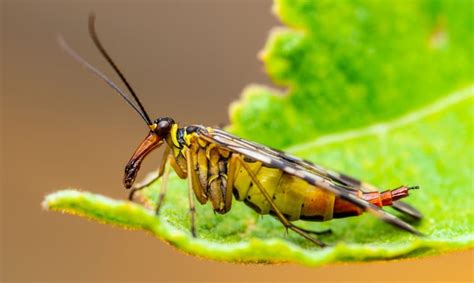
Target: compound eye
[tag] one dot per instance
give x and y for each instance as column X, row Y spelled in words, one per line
column 163, row 124
column 163, row 127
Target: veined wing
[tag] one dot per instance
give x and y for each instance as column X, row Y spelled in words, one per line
column 332, row 176
column 299, row 168
column 342, row 180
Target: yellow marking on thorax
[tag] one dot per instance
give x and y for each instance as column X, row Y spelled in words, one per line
column 188, row 138
column 173, row 134
column 174, row 144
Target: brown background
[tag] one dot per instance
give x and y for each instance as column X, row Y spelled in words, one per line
column 63, row 127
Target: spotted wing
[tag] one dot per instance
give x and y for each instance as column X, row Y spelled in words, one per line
column 312, row 174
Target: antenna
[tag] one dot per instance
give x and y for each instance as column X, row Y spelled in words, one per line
column 71, row 52
column 98, row 44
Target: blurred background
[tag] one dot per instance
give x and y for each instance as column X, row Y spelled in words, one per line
column 63, row 127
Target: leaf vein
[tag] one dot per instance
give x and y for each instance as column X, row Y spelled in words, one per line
column 381, row 129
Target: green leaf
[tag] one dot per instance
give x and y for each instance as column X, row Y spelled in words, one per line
column 375, row 91
column 352, row 63
column 385, row 153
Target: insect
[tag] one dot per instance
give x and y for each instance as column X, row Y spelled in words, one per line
column 220, row 167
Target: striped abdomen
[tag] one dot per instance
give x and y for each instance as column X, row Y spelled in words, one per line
column 296, row 199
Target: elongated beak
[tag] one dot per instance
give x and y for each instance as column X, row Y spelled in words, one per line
column 151, row 142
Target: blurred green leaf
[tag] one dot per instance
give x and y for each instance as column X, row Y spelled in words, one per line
column 378, row 89
column 352, row 63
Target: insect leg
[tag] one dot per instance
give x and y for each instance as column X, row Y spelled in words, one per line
column 322, row 232
column 279, row 215
column 198, row 166
column 232, row 168
column 164, row 186
column 161, row 170
column 192, row 207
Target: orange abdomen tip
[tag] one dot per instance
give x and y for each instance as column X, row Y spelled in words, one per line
column 344, row 208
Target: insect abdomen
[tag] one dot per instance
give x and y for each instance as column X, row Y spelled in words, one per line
column 294, row 197
column 343, row 208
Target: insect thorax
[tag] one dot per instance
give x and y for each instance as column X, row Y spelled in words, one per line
column 208, row 165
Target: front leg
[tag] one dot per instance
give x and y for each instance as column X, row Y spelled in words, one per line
column 192, row 207
column 164, row 186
